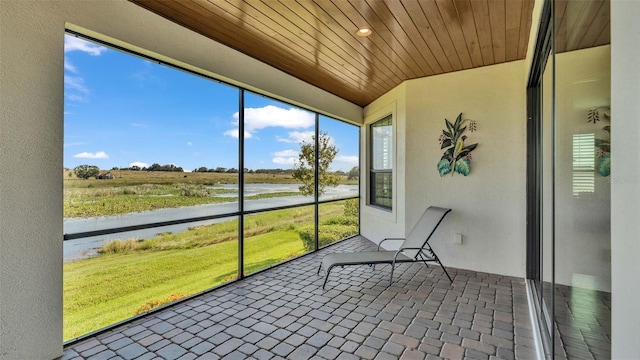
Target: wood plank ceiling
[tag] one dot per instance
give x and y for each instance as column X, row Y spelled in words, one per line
column 581, row 24
column 316, row 41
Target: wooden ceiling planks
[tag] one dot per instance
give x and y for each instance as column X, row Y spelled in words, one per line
column 482, row 20
column 316, row 41
column 327, row 41
column 598, row 19
column 513, row 10
column 498, row 30
column 469, row 31
column 581, row 24
column 308, row 46
column 525, row 23
column 413, row 34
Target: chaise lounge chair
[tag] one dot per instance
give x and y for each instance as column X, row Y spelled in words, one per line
column 414, row 248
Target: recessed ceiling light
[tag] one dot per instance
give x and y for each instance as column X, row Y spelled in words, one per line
column 363, row 32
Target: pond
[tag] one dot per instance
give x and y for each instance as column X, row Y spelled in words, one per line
column 80, row 248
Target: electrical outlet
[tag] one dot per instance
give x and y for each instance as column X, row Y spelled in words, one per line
column 457, row 238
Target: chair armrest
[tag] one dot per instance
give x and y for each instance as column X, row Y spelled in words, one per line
column 392, row 239
column 401, row 250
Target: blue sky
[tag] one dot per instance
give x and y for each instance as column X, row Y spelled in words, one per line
column 121, row 110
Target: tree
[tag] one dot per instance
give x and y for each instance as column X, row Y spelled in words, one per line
column 354, row 173
column 303, row 168
column 86, row 171
column 168, row 167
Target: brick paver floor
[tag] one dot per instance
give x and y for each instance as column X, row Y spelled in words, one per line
column 283, row 313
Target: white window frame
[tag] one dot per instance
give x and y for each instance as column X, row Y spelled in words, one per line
column 369, row 209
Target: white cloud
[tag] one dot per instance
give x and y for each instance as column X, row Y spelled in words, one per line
column 77, row 98
column 139, row 164
column 285, row 157
column 348, row 159
column 88, row 155
column 139, row 125
column 69, row 66
column 256, row 119
column 77, row 143
column 234, row 133
column 75, row 83
column 292, row 118
column 296, row 137
column 189, row 143
column 289, row 161
column 75, row 44
column 75, row 89
column 286, row 153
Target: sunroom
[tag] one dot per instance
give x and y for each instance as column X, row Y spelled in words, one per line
column 542, row 238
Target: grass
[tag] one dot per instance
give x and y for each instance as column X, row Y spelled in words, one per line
column 135, row 191
column 111, row 288
column 87, row 205
column 131, row 273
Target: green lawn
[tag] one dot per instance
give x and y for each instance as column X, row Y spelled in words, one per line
column 110, row 288
column 113, row 286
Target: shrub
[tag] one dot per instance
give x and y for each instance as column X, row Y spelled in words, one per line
column 152, row 304
column 189, row 190
column 120, row 246
column 351, row 208
column 342, row 220
column 327, row 233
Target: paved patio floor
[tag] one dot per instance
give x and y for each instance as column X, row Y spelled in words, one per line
column 284, row 313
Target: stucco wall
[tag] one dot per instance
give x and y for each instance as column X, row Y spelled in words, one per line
column 31, row 141
column 375, row 223
column 489, row 204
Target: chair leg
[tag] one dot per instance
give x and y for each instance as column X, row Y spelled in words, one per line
column 393, row 266
column 326, row 277
column 437, row 259
column 445, row 270
column 319, row 268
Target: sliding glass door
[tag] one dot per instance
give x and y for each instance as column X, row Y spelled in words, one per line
column 569, row 189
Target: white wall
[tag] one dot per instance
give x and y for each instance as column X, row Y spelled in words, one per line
column 31, row 142
column 489, row 204
column 375, row 223
column 625, row 179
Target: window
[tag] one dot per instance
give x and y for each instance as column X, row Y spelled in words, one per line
column 583, row 163
column 168, row 193
column 380, row 186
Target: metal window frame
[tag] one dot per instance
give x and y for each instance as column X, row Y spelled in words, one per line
column 372, row 171
column 534, row 187
column 241, row 213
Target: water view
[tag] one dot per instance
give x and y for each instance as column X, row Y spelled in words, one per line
column 88, row 246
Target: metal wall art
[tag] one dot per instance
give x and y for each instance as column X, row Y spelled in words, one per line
column 457, row 157
column 603, row 146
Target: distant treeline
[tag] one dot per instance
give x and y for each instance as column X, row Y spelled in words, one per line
column 246, row 170
column 170, row 167
column 353, row 173
column 152, row 167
